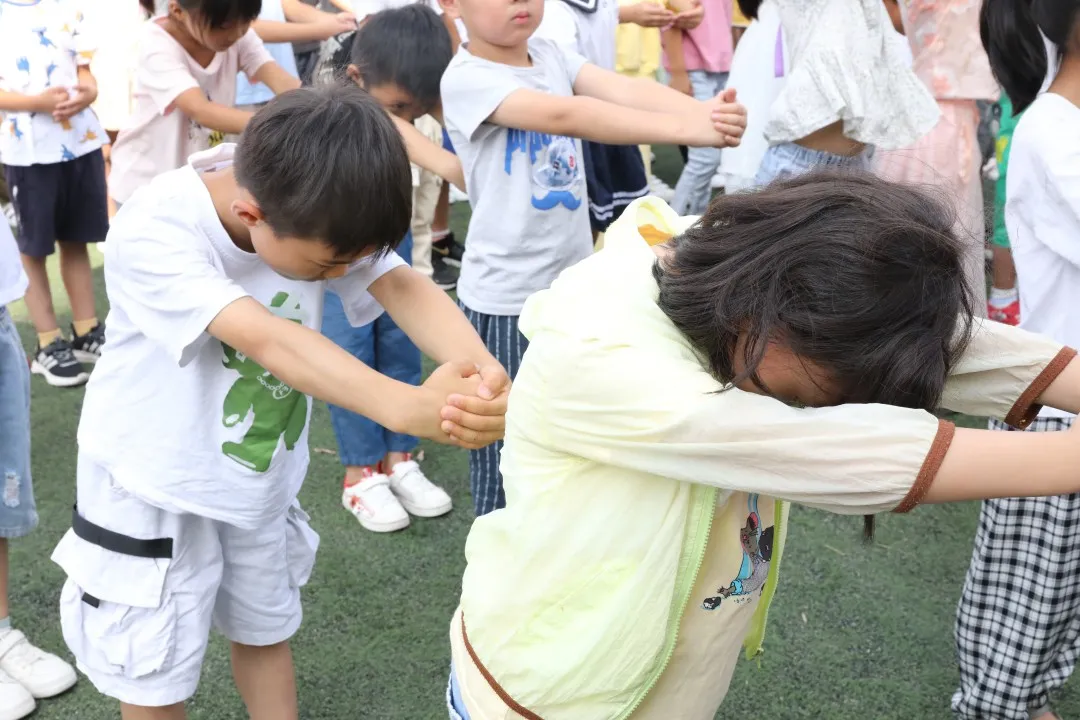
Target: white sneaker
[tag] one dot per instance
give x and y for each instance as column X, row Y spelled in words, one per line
column 15, row 701
column 661, row 189
column 718, row 181
column 371, row 501
column 990, row 169
column 42, row 674
column 417, row 494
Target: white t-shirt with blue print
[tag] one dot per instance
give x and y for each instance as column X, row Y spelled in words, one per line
column 530, row 217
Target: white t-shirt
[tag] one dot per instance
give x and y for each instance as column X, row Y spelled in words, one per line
column 42, row 45
column 158, row 137
column 177, row 418
column 589, row 34
column 530, row 217
column 1042, row 216
column 13, row 280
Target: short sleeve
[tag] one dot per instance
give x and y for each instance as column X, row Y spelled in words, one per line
column 163, row 72
column 1062, row 193
column 85, row 38
column 360, row 306
column 167, row 284
column 252, row 54
column 472, row 92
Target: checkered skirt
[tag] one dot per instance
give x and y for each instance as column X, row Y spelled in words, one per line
column 1018, row 620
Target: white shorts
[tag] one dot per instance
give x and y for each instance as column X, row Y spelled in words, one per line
column 139, row 626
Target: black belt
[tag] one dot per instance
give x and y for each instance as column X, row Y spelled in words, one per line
column 156, row 548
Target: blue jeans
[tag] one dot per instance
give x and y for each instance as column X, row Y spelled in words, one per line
column 694, row 189
column 384, row 347
column 791, row 160
column 18, row 512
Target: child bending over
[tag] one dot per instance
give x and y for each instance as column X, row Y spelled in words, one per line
column 514, row 107
column 193, row 439
column 788, row 346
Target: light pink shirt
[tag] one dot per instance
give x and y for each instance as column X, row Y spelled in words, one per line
column 948, row 54
column 709, row 46
column 159, row 137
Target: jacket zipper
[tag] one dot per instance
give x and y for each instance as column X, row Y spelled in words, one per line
column 674, row 636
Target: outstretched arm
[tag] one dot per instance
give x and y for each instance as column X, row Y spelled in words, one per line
column 433, row 158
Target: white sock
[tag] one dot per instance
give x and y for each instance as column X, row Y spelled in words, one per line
column 1003, row 297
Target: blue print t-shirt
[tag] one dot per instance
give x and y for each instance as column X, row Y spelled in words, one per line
column 530, row 216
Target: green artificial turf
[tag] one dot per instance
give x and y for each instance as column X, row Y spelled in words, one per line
column 856, row 632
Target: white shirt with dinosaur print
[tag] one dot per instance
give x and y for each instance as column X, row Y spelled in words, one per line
column 178, row 419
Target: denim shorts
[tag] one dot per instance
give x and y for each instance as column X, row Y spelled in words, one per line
column 789, row 160
column 18, row 513
column 454, row 704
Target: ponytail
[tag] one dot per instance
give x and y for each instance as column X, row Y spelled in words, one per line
column 1016, row 49
column 148, row 7
column 750, row 8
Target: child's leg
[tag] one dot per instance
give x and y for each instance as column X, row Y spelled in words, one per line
column 503, row 339
column 258, row 608
column 1018, row 620
column 169, row 712
column 693, row 191
column 83, row 218
column 266, row 680
column 34, row 195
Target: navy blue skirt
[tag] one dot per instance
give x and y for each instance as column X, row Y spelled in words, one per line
column 615, row 177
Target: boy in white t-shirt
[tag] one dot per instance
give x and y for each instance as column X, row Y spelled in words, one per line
column 193, row 440
column 25, row 671
column 50, row 146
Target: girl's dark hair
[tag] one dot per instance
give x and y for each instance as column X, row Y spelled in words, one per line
column 861, row 277
column 750, row 8
column 216, row 14
column 1010, row 34
column 148, row 7
column 408, row 46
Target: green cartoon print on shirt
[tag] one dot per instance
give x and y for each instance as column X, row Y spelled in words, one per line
column 276, row 409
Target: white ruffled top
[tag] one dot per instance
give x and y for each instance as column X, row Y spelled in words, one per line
column 845, row 65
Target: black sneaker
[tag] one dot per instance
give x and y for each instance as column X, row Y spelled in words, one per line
column 442, row 274
column 57, row 364
column 87, row 348
column 449, row 249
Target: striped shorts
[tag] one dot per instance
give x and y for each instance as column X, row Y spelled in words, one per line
column 503, row 340
column 1018, row 620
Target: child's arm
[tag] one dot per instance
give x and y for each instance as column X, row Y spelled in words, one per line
column 46, row 102
column 295, row 31
column 646, row 14
column 274, row 77
column 433, row 158
column 310, row 363
column 645, row 94
column 601, row 121
column 196, row 106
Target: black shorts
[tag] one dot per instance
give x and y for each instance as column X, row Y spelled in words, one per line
column 65, row 201
column 615, row 177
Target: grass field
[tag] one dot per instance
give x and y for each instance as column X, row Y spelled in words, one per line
column 856, row 632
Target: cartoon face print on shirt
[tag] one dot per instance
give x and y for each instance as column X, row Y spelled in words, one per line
column 554, row 167
column 757, row 546
column 271, row 409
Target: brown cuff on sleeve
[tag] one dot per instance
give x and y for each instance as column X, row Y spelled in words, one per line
column 1025, row 410
column 930, row 467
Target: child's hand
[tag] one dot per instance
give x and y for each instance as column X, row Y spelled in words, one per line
column 468, row 418
column 333, row 25
column 729, row 117
column 47, row 101
column 471, row 430
column 691, row 18
column 84, row 97
column 646, row 14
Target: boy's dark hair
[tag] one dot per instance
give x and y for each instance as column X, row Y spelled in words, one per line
column 216, row 14
column 861, row 277
column 1010, row 32
column 409, row 47
column 328, row 164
